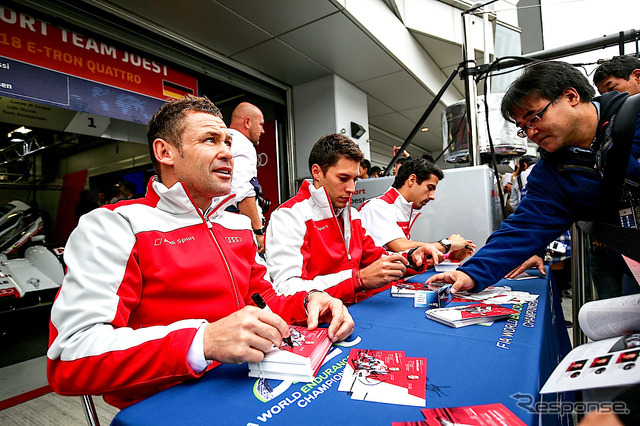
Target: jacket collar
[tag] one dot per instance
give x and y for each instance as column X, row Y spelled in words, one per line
column 176, row 200
column 320, row 197
column 393, row 196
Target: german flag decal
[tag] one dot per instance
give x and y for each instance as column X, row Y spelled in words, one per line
column 174, row 90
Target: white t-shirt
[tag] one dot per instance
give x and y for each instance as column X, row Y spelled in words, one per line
column 388, row 217
column 516, row 191
column 245, row 165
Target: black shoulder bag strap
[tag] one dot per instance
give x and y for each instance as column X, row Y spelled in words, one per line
column 622, row 240
column 624, row 126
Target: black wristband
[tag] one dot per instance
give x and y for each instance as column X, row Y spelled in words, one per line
column 412, row 264
column 260, row 231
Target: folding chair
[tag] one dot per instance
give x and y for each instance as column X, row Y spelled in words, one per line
column 90, row 410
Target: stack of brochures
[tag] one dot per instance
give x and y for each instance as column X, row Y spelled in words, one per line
column 474, row 415
column 299, row 363
column 460, row 316
column 385, row 376
column 406, row 289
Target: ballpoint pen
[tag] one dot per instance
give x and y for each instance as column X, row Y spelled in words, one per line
column 260, row 303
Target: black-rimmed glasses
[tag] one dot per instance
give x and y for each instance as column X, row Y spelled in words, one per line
column 533, row 122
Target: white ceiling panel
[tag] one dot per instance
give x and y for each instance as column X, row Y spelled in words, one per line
column 204, row 21
column 398, row 90
column 446, row 54
column 375, row 107
column 280, row 61
column 433, row 122
column 341, row 46
column 280, row 16
column 393, row 123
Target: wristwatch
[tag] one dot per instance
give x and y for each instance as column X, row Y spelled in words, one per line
column 260, row 231
column 446, row 244
column 412, row 264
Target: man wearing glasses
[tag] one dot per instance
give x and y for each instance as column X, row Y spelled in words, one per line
column 552, row 104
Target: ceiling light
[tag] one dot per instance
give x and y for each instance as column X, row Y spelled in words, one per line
column 16, row 137
column 22, row 130
column 424, row 129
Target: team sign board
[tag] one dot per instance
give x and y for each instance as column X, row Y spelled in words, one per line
column 39, row 62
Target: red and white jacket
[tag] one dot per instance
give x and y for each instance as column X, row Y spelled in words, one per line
column 388, row 217
column 309, row 247
column 143, row 276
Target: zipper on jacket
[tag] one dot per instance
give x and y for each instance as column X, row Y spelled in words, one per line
column 344, row 228
column 205, row 218
column 234, row 287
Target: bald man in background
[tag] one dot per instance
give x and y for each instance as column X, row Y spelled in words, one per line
column 246, row 127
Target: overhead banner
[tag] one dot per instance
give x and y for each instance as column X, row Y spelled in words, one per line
column 34, row 41
column 50, row 65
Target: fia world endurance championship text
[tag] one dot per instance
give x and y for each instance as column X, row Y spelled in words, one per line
column 307, row 393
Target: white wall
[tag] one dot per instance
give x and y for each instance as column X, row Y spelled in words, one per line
column 351, row 105
column 326, row 105
column 313, row 112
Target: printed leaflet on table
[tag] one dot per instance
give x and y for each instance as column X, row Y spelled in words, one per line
column 385, row 376
column 477, row 415
column 460, row 316
column 299, row 363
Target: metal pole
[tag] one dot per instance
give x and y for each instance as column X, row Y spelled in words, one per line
column 468, row 57
column 578, row 281
column 418, row 125
column 571, row 49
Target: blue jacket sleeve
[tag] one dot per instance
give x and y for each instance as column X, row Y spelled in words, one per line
column 555, row 199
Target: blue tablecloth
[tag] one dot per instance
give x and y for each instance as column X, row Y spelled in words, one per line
column 465, row 366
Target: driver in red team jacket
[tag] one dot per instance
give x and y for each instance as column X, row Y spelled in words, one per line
column 158, row 289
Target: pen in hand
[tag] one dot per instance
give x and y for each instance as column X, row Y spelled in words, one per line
column 260, row 303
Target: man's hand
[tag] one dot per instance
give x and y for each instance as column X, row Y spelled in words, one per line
column 405, row 154
column 507, row 188
column 322, row 307
column 428, row 255
column 429, row 249
column 459, row 280
column 260, row 239
column 384, row 270
column 244, row 336
column 534, row 262
column 463, row 253
column 459, row 243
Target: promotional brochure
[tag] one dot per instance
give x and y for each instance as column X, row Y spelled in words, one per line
column 460, row 316
column 385, row 376
column 405, row 289
column 477, row 415
column 499, row 295
column 299, row 362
